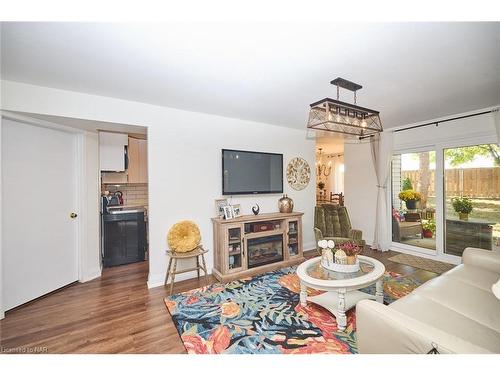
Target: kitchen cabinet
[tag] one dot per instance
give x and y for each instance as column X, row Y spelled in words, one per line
column 124, row 238
column 112, row 151
column 138, row 160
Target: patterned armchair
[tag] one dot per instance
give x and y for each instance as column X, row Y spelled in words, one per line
column 332, row 222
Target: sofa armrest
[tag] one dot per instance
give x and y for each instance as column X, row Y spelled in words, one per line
column 356, row 234
column 318, row 235
column 486, row 259
column 381, row 329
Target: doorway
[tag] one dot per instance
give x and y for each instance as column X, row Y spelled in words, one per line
column 330, row 170
column 124, row 197
column 450, row 191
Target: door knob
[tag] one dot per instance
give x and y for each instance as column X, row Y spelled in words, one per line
column 73, row 215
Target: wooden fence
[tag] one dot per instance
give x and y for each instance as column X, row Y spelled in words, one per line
column 471, row 182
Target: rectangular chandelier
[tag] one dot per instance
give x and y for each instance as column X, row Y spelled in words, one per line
column 341, row 117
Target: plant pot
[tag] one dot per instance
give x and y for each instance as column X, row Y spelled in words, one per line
column 427, row 233
column 411, row 204
column 463, row 216
column 351, row 259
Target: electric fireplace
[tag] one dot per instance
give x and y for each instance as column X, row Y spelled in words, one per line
column 264, row 250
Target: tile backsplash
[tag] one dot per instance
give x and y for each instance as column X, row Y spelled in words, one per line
column 133, row 194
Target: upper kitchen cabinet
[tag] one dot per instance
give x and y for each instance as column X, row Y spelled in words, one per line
column 138, row 160
column 112, row 151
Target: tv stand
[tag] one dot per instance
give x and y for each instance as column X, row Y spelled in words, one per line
column 253, row 244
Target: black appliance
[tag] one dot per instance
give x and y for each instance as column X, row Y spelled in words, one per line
column 124, row 236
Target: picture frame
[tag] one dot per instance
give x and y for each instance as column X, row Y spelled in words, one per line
column 228, row 212
column 236, row 210
column 219, row 207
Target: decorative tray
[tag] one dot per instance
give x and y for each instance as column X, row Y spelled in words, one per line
column 346, row 268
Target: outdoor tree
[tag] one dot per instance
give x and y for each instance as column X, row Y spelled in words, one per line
column 424, row 177
column 462, row 155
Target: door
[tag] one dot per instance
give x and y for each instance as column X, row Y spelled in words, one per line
column 471, row 198
column 235, row 254
column 138, row 165
column 413, row 210
column 39, row 194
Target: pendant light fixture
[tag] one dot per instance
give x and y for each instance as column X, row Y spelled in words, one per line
column 341, row 117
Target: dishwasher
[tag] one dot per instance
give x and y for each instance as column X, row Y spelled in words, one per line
column 124, row 237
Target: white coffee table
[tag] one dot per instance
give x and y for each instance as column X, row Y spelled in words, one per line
column 342, row 289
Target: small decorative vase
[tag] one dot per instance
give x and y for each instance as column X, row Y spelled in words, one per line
column 285, row 204
column 351, row 259
column 411, row 204
column 463, row 216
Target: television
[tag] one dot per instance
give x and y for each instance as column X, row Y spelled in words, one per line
column 250, row 172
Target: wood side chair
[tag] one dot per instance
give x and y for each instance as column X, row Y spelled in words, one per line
column 197, row 253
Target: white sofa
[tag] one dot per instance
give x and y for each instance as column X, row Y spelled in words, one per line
column 457, row 312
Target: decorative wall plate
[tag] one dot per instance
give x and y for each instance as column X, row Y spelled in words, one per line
column 298, row 173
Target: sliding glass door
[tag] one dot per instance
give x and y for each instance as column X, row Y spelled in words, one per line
column 445, row 199
column 471, row 198
column 414, row 199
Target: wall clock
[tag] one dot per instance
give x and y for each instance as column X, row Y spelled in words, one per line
column 298, row 173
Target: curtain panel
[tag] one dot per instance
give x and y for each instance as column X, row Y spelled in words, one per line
column 382, row 147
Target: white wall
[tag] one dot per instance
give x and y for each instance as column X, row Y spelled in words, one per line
column 360, row 185
column 184, row 159
column 185, row 175
column 91, row 257
column 2, row 315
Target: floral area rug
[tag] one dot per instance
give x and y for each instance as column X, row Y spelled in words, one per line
column 263, row 314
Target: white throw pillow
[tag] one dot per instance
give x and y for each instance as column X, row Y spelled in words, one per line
column 496, row 289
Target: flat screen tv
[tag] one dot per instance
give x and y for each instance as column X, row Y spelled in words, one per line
column 249, row 172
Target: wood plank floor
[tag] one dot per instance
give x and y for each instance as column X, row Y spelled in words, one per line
column 115, row 313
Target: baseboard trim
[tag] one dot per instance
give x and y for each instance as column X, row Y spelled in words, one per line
column 158, row 279
column 91, row 276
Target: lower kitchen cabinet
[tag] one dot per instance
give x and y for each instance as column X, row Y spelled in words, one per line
column 124, row 238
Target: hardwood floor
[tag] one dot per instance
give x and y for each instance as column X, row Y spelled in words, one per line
column 116, row 313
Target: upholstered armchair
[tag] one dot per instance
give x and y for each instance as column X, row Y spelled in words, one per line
column 331, row 222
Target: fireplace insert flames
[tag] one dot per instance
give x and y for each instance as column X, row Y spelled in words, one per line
column 264, row 250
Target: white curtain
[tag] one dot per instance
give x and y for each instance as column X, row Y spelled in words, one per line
column 382, row 146
column 337, row 177
column 496, row 118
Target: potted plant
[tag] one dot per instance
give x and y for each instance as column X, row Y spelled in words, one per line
column 410, row 197
column 463, row 206
column 351, row 250
column 407, row 185
column 429, row 227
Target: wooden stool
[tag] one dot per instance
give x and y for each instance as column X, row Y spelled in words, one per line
column 172, row 266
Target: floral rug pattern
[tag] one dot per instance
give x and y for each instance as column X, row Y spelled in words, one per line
column 262, row 315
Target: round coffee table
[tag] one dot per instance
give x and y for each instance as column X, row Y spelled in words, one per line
column 341, row 288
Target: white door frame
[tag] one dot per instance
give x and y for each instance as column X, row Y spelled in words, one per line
column 81, row 178
column 439, row 148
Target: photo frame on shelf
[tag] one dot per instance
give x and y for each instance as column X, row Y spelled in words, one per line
column 236, row 210
column 219, row 207
column 228, row 212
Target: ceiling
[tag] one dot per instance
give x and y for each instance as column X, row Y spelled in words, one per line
column 267, row 72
